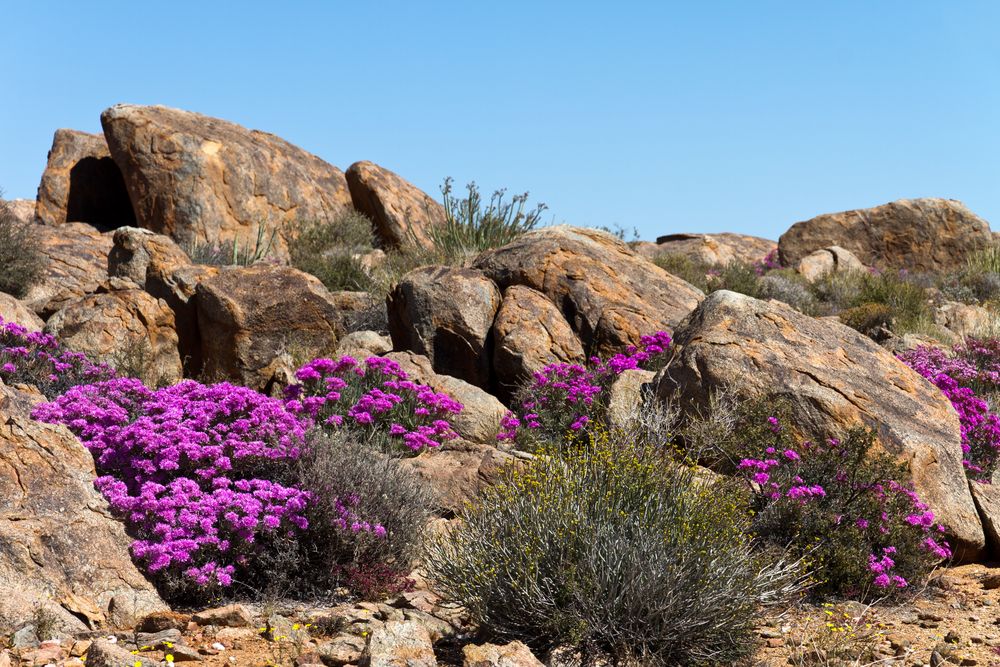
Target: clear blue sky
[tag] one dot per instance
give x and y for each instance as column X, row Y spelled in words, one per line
column 666, row 116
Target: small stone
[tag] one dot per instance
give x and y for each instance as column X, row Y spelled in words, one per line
column 218, row 647
column 24, row 638
column 929, row 616
column 341, row 650
column 776, row 642
column 768, row 633
column 163, row 620
column 230, row 616
column 157, row 639
column 184, row 654
column 400, row 644
column 103, row 653
column 952, row 637
column 991, row 581
column 514, row 654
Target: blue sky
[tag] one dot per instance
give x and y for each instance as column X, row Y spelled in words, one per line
column 664, row 116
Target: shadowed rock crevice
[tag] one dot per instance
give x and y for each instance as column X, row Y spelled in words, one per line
column 97, row 195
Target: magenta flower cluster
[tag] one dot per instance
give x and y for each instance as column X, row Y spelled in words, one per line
column 37, row 359
column 373, row 396
column 822, row 481
column 193, row 470
column 767, row 263
column 563, row 398
column 960, row 373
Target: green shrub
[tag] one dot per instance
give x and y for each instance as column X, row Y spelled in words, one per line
column 788, row 286
column 472, row 226
column 615, row 551
column 22, row 263
column 871, row 319
column 737, row 276
column 329, row 250
column 341, row 470
column 685, row 267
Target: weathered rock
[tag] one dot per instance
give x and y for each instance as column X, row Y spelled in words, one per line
column 626, row 394
column 363, row 344
column 12, row 310
column 230, row 616
column 987, row 497
column 400, row 644
column 76, row 265
column 833, row 378
column 196, row 178
column 608, row 294
column 446, row 313
column 479, row 420
column 159, row 266
column 834, row 259
column 124, row 327
column 401, row 213
column 23, row 209
column 963, row 319
column 103, row 653
column 714, row 249
column 257, row 322
column 912, row 234
column 58, row 542
column 514, row 654
column 163, row 620
column 529, row 332
column 81, row 183
column 341, row 650
column 457, row 472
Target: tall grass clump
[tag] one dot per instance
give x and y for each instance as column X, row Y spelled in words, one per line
column 234, row 252
column 472, row 225
column 614, row 551
column 22, row 263
column 331, row 250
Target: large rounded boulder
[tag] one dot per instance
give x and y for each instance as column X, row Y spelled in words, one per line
column 833, row 378
column 401, row 213
column 60, row 550
column 258, row 322
column 529, row 333
column 446, row 313
column 913, row 234
column 609, row 295
column 126, row 327
column 76, row 264
column 197, row 178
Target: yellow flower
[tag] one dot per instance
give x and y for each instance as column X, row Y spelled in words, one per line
column 137, row 663
column 296, row 626
column 169, row 658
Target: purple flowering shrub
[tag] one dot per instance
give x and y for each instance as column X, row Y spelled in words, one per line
column 964, row 374
column 37, row 359
column 199, row 474
column 375, row 400
column 562, row 399
column 844, row 505
column 768, row 262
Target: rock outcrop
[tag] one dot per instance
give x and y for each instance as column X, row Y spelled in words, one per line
column 446, row 314
column 401, row 213
column 825, row 261
column 529, row 332
column 714, row 249
column 257, row 322
column 833, row 378
column 126, row 327
column 23, row 209
column 199, row 179
column 609, row 295
column 76, row 265
column 912, row 234
column 59, row 546
column 12, row 310
column 81, row 183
